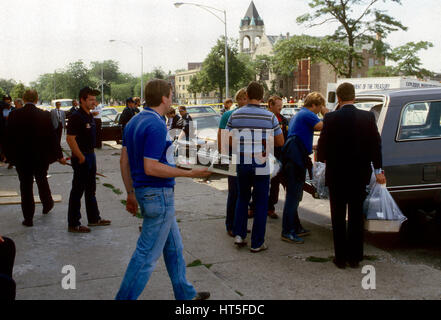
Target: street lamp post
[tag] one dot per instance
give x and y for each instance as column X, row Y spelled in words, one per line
column 142, row 61
column 224, row 21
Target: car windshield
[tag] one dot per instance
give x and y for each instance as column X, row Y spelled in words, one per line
column 289, row 111
column 109, row 112
column 207, row 122
column 200, row 110
column 66, row 103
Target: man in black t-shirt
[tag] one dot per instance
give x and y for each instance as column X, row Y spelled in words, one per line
column 81, row 137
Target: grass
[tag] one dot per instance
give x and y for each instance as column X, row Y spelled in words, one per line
column 115, row 190
column 239, row 293
column 198, row 263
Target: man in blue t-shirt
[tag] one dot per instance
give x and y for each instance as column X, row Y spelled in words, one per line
column 301, row 132
column 148, row 172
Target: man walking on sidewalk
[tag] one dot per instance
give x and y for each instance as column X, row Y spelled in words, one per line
column 32, row 146
column 148, row 172
column 81, row 138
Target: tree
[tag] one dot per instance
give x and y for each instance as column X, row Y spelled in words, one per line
column 18, row 91
column 7, row 85
column 408, row 62
column 355, row 28
column 288, row 53
column 212, row 74
column 106, row 71
column 121, row 91
column 2, row 93
column 382, row 71
column 77, row 77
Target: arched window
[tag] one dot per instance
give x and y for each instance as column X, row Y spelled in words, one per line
column 246, row 45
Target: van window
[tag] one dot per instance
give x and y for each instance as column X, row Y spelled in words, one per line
column 420, row 120
column 371, row 105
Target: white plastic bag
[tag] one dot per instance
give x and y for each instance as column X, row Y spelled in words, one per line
column 318, row 180
column 379, row 205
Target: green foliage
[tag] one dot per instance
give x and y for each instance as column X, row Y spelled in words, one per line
column 408, row 62
column 122, row 91
column 289, row 52
column 2, row 93
column 212, row 75
column 359, row 23
column 382, row 71
column 18, row 91
column 7, row 85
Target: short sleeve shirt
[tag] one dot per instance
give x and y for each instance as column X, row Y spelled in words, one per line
column 146, row 136
column 253, row 118
column 302, row 125
column 82, row 125
column 224, row 120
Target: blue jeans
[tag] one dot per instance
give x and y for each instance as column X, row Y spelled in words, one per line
column 160, row 235
column 247, row 179
column 294, row 194
column 84, row 181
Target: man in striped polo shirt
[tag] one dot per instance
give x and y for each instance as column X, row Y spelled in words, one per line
column 253, row 126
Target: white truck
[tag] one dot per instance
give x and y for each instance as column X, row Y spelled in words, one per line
column 377, row 83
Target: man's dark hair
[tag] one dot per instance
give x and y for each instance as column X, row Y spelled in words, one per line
column 30, row 95
column 183, row 108
column 7, row 97
column 154, row 91
column 87, row 91
column 255, row 91
column 172, row 111
column 346, row 91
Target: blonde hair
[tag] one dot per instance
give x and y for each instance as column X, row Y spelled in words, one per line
column 314, row 98
column 272, row 100
column 241, row 93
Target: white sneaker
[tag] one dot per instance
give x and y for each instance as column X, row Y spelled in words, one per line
column 239, row 241
column 263, row 247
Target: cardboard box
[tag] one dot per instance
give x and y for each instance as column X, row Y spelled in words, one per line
column 382, row 225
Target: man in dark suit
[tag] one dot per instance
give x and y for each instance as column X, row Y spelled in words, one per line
column 58, row 118
column 31, row 146
column 128, row 112
column 349, row 142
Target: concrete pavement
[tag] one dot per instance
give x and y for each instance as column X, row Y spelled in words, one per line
column 285, row 271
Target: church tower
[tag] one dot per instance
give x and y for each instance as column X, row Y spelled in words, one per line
column 251, row 30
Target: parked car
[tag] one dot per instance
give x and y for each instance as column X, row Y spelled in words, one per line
column 111, row 130
column 289, row 113
column 205, row 126
column 200, row 109
column 109, row 112
column 409, row 122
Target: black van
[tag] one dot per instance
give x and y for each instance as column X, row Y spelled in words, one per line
column 409, row 122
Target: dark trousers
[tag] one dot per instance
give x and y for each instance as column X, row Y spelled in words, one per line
column 247, row 179
column 59, row 132
column 99, row 135
column 231, row 202
column 294, row 194
column 26, row 174
column 84, row 181
column 7, row 257
column 348, row 244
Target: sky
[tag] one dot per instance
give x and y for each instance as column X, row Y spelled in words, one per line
column 42, row 36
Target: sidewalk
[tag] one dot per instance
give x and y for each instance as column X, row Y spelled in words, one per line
column 284, row 271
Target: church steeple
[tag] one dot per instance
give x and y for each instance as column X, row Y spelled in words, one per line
column 252, row 17
column 252, row 29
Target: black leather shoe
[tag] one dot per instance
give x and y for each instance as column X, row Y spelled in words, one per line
column 202, row 295
column 339, row 264
column 27, row 223
column 48, row 208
